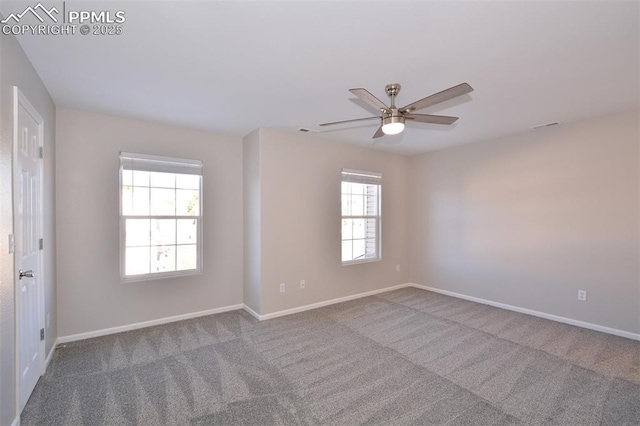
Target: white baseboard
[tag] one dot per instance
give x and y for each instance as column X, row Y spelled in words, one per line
column 128, row 327
column 16, row 421
column 544, row 315
column 160, row 321
column 321, row 304
column 252, row 312
column 50, row 355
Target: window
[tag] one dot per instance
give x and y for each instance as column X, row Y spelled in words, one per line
column 361, row 192
column 160, row 216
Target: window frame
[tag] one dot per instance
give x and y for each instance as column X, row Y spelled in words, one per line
column 370, row 178
column 177, row 162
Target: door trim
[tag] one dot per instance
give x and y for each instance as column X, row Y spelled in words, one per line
column 20, row 100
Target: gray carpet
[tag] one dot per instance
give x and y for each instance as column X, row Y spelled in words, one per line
column 405, row 357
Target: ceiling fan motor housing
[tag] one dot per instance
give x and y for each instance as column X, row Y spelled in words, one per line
column 395, row 116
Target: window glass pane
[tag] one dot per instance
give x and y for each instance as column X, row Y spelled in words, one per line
column 137, row 232
column 346, row 204
column 187, row 181
column 163, row 202
column 359, row 188
column 188, row 202
column 347, row 250
column 187, row 231
column 163, row 259
column 127, row 200
column 357, row 205
column 187, row 257
column 371, row 228
column 371, row 202
column 162, row 180
column 140, row 178
column 358, row 249
column 127, row 177
column 137, row 260
column 140, row 201
column 360, row 239
column 370, row 248
column 163, row 231
column 347, row 225
column 358, row 228
column 155, row 240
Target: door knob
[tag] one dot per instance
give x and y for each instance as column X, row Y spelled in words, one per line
column 22, row 274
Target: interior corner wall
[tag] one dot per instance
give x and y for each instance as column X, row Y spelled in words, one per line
column 251, row 218
column 91, row 295
column 300, row 220
column 530, row 219
column 16, row 70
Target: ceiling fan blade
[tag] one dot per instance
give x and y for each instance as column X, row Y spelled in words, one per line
column 428, row 118
column 379, row 133
column 366, row 96
column 436, row 98
column 349, row 121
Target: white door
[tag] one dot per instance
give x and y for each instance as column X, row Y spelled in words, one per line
column 28, row 134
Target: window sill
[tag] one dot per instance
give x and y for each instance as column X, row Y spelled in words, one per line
column 357, row 262
column 159, row 276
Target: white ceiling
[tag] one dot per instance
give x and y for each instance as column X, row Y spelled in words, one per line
column 231, row 67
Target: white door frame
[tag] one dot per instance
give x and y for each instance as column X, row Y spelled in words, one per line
column 20, row 100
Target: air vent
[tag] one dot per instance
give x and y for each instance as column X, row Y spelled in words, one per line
column 555, row 123
column 303, row 130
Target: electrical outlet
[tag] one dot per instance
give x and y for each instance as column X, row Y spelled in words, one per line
column 397, row 268
column 582, row 295
column 281, row 287
column 302, row 283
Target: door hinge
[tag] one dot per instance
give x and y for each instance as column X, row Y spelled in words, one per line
column 41, row 243
column 41, row 152
column 41, row 334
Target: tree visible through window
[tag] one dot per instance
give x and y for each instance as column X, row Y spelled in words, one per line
column 160, row 221
column 361, row 194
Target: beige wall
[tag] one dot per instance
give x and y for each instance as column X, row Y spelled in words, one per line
column 251, row 217
column 300, row 220
column 90, row 294
column 16, row 70
column 529, row 219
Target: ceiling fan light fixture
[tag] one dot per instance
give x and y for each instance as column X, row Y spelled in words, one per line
column 393, row 124
column 393, row 128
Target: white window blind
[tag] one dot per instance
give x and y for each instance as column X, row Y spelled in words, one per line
column 160, row 216
column 154, row 163
column 361, row 224
column 361, row 177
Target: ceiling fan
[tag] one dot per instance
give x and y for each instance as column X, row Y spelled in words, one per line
column 392, row 118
